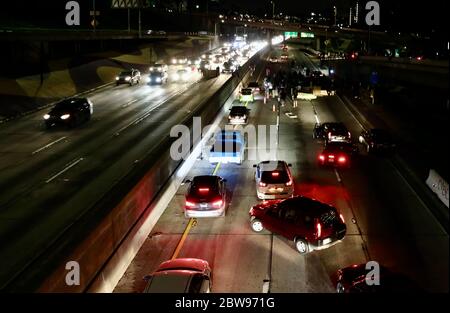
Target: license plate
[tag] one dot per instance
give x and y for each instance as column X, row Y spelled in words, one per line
column 326, row 241
column 203, row 205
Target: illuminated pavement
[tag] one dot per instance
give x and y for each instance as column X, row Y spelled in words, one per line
column 392, row 225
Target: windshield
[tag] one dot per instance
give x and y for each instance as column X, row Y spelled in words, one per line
column 274, row 177
column 246, row 92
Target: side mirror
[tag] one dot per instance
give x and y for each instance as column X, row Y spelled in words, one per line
column 254, row 165
column 290, row 165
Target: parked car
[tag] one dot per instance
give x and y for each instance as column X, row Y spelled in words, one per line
column 183, row 275
column 273, row 180
column 69, row 112
column 310, row 224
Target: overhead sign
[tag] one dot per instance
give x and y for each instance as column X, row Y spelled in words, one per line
column 290, row 34
column 306, row 35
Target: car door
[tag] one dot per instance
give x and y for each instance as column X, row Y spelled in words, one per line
column 271, row 220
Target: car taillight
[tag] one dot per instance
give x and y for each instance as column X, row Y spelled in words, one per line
column 289, row 183
column 261, row 184
column 331, row 156
column 218, row 203
column 203, row 190
column 275, row 174
column 190, row 204
column 318, row 230
column 342, row 159
column 342, row 218
column 321, row 157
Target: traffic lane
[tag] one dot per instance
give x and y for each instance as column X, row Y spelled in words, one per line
column 50, row 208
column 208, row 236
column 86, row 139
column 399, row 230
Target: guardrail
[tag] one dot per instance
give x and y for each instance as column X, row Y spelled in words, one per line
column 96, row 240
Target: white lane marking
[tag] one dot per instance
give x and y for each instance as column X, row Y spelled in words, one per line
column 147, row 114
column 266, row 286
column 64, row 170
column 129, row 103
column 337, row 175
column 48, row 145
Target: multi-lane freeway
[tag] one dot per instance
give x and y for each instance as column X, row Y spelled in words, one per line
column 386, row 220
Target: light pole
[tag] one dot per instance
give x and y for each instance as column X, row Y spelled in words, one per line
column 273, row 9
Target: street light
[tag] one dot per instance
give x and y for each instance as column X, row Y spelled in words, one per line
column 273, row 9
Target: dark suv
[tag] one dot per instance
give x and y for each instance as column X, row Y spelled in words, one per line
column 311, row 224
column 331, row 131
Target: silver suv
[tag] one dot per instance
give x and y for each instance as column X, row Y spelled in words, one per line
column 273, row 180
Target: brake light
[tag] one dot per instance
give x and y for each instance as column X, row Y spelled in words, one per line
column 275, row 174
column 218, row 203
column 342, row 159
column 321, row 157
column 289, row 183
column 261, row 184
column 331, row 156
column 190, row 204
column 318, row 230
column 203, row 190
column 342, row 218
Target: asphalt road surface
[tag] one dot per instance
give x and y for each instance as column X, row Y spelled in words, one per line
column 390, row 224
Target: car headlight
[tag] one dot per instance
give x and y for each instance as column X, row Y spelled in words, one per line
column 127, row 78
column 158, row 79
column 46, row 116
column 117, row 77
column 151, row 68
column 65, row 116
column 174, row 61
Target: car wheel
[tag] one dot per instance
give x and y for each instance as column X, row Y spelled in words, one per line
column 340, row 288
column 256, row 225
column 301, row 245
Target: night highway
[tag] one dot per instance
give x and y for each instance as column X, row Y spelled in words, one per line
column 258, row 151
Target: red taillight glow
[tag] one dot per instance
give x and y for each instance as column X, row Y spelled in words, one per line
column 190, row 204
column 342, row 159
column 321, row 157
column 218, row 203
column 275, row 174
column 318, row 230
column 289, row 183
column 331, row 156
column 342, row 218
column 261, row 184
column 203, row 190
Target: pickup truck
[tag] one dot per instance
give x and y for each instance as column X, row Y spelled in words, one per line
column 228, row 147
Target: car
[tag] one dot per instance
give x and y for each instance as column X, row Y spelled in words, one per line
column 158, row 78
column 284, row 57
column 228, row 147
column 206, row 197
column 310, row 224
column 228, row 67
column 156, row 32
column 331, row 131
column 182, row 275
column 246, row 95
column 181, row 75
column 355, row 279
column 238, row 115
column 254, row 86
column 338, row 154
column 193, row 61
column 130, row 77
column 273, row 180
column 377, row 140
column 179, row 60
column 158, row 67
column 273, row 59
column 69, row 112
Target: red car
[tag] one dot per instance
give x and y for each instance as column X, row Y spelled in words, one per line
column 311, row 224
column 337, row 154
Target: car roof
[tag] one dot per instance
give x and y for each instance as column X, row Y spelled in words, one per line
column 309, row 205
column 190, row 264
column 205, row 179
column 239, row 108
column 272, row 166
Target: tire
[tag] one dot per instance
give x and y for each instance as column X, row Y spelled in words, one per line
column 256, row 225
column 301, row 245
column 340, row 288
